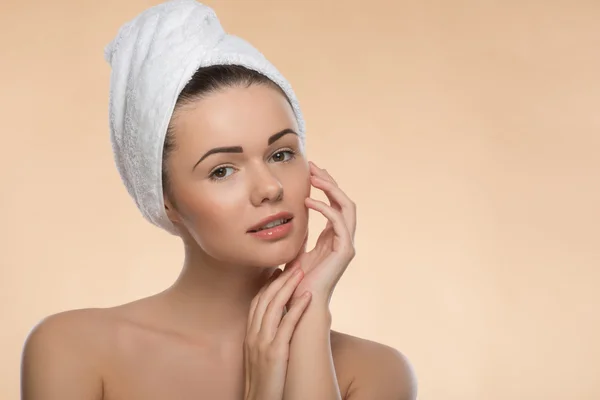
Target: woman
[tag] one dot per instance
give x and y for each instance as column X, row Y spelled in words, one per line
column 234, row 183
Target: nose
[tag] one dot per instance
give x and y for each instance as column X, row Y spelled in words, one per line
column 266, row 187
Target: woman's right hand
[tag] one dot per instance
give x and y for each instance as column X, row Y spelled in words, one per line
column 268, row 335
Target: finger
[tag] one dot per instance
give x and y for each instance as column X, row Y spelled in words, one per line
column 273, row 276
column 321, row 173
column 337, row 222
column 338, row 199
column 268, row 295
column 274, row 311
column 318, row 174
column 328, row 175
column 290, row 321
column 321, row 183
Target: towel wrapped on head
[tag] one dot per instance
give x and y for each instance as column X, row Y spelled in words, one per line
column 152, row 58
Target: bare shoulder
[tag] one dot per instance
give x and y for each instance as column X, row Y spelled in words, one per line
column 62, row 356
column 371, row 370
column 76, row 330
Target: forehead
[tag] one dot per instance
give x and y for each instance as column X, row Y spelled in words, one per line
column 235, row 116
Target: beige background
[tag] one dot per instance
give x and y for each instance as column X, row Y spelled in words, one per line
column 466, row 131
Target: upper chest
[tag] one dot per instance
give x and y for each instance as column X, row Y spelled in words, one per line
column 149, row 365
column 156, row 366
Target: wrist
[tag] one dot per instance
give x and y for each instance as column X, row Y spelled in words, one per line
column 319, row 309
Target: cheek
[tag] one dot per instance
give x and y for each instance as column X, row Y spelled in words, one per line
column 213, row 221
column 299, row 180
column 211, row 211
column 297, row 188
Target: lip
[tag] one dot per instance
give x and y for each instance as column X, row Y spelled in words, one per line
column 274, row 217
column 276, row 233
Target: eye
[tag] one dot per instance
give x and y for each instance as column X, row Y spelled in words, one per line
column 283, row 156
column 221, row 173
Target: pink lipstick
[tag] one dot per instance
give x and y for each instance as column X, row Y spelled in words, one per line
column 274, row 227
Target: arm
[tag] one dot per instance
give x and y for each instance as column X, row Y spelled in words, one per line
column 268, row 335
column 311, row 373
column 368, row 370
column 56, row 364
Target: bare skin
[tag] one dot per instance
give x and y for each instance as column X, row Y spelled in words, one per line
column 187, row 342
column 124, row 353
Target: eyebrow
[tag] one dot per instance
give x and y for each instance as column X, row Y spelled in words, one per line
column 278, row 135
column 238, row 149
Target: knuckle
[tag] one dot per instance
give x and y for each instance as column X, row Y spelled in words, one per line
column 250, row 342
column 263, row 299
column 276, row 352
column 263, row 345
column 272, row 307
column 252, row 306
column 256, row 299
column 350, row 251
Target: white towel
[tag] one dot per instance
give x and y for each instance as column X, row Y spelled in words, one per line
column 153, row 57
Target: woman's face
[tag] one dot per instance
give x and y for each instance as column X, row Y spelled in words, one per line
column 238, row 162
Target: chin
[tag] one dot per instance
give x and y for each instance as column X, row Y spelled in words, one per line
column 275, row 253
column 278, row 254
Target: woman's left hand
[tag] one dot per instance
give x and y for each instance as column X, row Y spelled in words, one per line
column 324, row 265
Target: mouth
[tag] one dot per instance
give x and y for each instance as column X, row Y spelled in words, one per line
column 272, row 222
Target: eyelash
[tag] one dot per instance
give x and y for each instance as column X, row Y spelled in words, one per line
column 213, row 178
column 289, row 151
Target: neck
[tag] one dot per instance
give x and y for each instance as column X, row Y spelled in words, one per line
column 213, row 298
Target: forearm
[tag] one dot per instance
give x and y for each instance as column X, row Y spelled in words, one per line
column 311, row 373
